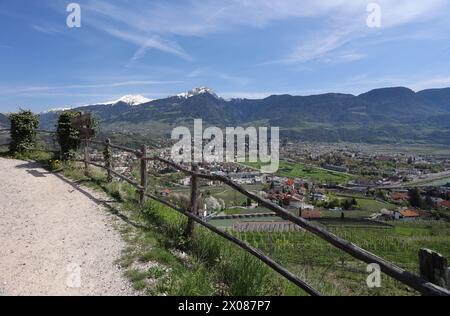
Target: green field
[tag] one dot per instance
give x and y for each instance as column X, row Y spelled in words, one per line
column 335, row 273
column 229, row 196
column 312, row 173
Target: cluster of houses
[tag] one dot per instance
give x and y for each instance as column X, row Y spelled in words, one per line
column 292, row 195
column 405, row 214
column 439, row 196
column 349, row 158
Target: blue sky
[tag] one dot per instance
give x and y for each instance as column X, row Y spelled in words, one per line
column 240, row 48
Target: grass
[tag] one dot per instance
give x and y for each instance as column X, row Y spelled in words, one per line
column 373, row 205
column 229, row 196
column 299, row 170
column 337, row 273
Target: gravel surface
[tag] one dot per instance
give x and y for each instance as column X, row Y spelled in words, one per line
column 55, row 239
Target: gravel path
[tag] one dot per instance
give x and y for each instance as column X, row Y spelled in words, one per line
column 55, row 240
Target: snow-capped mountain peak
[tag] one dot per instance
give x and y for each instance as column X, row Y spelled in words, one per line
column 54, row 110
column 197, row 91
column 133, row 99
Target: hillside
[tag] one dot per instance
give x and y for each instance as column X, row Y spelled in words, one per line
column 385, row 115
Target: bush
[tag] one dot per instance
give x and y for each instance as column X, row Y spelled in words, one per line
column 67, row 135
column 23, row 131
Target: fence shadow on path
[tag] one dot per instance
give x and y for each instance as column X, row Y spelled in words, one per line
column 32, row 168
column 105, row 203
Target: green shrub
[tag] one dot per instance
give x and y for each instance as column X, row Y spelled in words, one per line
column 23, row 131
column 67, row 135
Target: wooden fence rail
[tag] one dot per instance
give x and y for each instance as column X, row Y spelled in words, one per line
column 255, row 252
column 416, row 282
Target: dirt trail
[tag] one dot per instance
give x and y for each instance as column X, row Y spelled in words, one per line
column 50, row 231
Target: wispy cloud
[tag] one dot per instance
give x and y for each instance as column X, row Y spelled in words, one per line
column 349, row 28
column 205, row 72
column 160, row 25
column 435, row 82
column 133, row 83
column 145, row 43
column 47, row 29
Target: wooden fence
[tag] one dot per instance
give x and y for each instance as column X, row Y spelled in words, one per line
column 419, row 283
column 422, row 284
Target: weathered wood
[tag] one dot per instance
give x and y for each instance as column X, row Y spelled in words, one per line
column 86, row 157
column 83, row 120
column 92, row 141
column 408, row 278
column 433, row 267
column 108, row 160
column 253, row 251
column 143, row 175
column 119, row 147
column 126, row 149
column 86, row 132
column 193, row 206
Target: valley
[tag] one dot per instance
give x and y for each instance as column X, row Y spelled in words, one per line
column 381, row 116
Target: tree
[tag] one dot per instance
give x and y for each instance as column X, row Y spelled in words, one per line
column 415, row 200
column 67, row 135
column 429, row 204
column 346, row 205
column 272, row 185
column 23, row 130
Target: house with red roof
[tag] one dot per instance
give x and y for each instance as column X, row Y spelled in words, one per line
column 406, row 215
column 399, row 196
column 311, row 214
column 445, row 204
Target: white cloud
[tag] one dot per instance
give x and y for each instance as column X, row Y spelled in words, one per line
column 42, row 89
column 349, row 27
column 436, row 82
column 47, row 29
column 159, row 24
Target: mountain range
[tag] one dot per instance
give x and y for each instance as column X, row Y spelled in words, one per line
column 387, row 115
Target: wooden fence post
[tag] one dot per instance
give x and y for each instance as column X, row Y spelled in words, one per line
column 194, row 201
column 107, row 157
column 142, row 197
column 86, row 157
column 434, row 268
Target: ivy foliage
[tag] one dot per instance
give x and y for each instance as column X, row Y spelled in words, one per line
column 24, row 126
column 67, row 135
